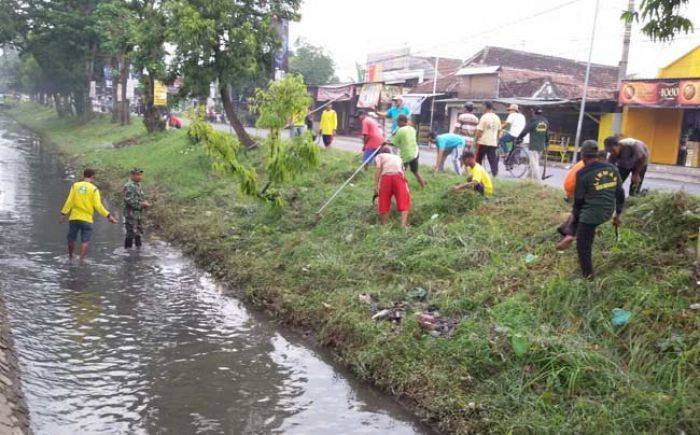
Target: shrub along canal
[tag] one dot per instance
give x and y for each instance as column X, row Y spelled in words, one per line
column 144, row 342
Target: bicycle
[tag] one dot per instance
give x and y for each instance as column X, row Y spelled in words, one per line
column 516, row 160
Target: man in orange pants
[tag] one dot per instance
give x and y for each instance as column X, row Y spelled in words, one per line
column 391, row 182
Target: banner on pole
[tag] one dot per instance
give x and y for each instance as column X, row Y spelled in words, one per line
column 337, row 93
column 369, row 96
column 160, row 94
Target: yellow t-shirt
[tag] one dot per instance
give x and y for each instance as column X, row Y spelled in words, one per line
column 82, row 202
column 480, row 176
column 329, row 122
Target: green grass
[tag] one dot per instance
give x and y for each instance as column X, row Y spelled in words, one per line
column 574, row 372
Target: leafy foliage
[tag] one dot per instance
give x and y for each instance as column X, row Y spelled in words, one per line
column 285, row 159
column 313, row 63
column 662, row 19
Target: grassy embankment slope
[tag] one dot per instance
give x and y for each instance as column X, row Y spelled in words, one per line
column 578, row 373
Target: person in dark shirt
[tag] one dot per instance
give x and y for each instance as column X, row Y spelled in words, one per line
column 538, row 129
column 598, row 194
column 631, row 156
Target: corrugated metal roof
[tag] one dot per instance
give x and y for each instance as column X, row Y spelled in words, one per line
column 478, row 70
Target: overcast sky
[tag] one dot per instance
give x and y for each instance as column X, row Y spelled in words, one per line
column 348, row 30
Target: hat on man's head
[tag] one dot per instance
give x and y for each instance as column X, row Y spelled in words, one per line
column 137, row 171
column 589, row 149
column 513, row 108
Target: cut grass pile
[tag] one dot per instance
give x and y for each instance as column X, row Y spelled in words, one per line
column 535, row 350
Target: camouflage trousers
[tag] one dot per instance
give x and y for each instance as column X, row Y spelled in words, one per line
column 133, row 225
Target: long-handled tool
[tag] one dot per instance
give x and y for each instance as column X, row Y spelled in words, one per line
column 544, row 170
column 364, row 163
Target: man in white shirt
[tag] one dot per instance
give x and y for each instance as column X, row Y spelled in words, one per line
column 487, row 137
column 514, row 125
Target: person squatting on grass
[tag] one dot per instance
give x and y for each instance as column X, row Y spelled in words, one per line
column 134, row 205
column 80, row 206
column 447, row 144
column 406, row 141
column 391, row 182
column 477, row 177
column 598, row 194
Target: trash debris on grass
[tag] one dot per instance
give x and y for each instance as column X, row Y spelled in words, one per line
column 620, row 317
column 436, row 325
column 520, row 345
column 530, row 258
column 365, row 298
column 394, row 314
column 418, row 294
column 435, row 216
column 695, row 306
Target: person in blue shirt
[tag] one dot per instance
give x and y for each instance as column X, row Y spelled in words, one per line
column 394, row 112
column 448, row 143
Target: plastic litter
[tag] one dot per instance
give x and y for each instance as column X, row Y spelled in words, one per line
column 620, row 317
column 394, row 315
column 435, row 216
column 437, row 326
column 530, row 258
column 520, row 345
column 365, row 298
column 418, row 293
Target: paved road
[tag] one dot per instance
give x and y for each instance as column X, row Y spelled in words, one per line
column 352, row 144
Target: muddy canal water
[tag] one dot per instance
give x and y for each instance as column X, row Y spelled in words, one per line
column 144, row 342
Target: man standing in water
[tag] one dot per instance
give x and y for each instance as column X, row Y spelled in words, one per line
column 80, row 206
column 134, row 204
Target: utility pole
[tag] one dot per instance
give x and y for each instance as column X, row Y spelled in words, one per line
column 432, row 103
column 622, row 74
column 585, row 85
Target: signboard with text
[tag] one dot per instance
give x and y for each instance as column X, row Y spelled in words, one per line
column 669, row 93
column 160, row 94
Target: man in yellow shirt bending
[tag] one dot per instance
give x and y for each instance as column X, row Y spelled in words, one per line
column 477, row 177
column 80, row 206
column 328, row 125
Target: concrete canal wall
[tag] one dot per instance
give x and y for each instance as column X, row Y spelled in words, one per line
column 14, row 417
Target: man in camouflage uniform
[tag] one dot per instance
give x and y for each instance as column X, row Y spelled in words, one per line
column 134, row 204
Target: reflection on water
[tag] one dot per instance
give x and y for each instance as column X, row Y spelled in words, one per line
column 143, row 342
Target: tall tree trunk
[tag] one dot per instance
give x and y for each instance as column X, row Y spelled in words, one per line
column 86, row 102
column 233, row 117
column 123, row 77
column 151, row 116
column 114, row 66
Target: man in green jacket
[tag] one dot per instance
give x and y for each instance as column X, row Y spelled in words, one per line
column 538, row 130
column 597, row 196
column 134, row 204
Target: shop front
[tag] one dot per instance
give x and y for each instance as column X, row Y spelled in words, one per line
column 665, row 112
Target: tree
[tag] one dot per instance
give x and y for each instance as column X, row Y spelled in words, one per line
column 116, row 23
column 312, row 63
column 149, row 55
column 230, row 41
column 662, row 19
column 276, row 106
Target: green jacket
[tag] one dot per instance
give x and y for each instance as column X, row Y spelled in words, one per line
column 538, row 129
column 598, row 193
column 133, row 197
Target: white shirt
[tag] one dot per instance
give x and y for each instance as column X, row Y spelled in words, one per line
column 516, row 123
column 489, row 126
